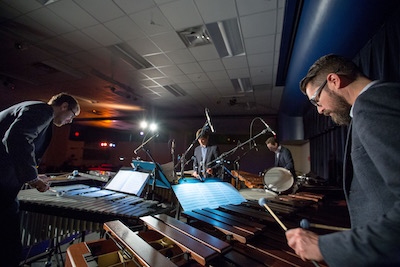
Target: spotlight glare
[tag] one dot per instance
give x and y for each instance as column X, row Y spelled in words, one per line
column 153, row 127
column 143, row 124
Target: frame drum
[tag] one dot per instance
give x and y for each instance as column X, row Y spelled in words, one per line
column 257, row 193
column 278, row 180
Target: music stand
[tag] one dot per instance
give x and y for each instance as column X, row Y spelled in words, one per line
column 150, row 167
column 128, row 181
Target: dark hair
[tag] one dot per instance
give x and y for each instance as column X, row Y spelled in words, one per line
column 271, row 141
column 328, row 64
column 59, row 99
column 201, row 133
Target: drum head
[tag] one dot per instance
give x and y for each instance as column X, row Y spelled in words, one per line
column 256, row 193
column 278, row 179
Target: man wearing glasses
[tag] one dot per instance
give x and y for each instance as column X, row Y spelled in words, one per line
column 337, row 88
column 25, row 132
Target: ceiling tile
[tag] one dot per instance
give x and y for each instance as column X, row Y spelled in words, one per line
column 212, row 65
column 261, row 79
column 261, row 71
column 188, row 14
column 129, row 6
column 151, row 21
column 171, row 70
column 266, row 22
column 213, row 11
column 125, row 29
column 152, row 73
column 148, row 82
column 261, row 60
column 35, row 32
column 235, row 62
column 51, row 21
column 190, row 68
column 223, row 83
column 102, row 10
column 163, row 81
column 158, row 60
column 169, row 41
column 181, row 56
column 102, row 35
column 205, row 85
column 144, row 46
column 204, row 52
column 180, row 79
column 238, row 73
column 261, row 44
column 80, row 19
column 198, row 77
column 256, row 6
column 217, row 75
column 23, row 6
column 81, row 40
column 7, row 12
column 188, row 86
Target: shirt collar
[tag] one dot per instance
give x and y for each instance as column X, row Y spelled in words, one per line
column 362, row 91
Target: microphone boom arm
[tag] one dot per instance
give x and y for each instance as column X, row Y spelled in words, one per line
column 144, row 143
column 233, row 150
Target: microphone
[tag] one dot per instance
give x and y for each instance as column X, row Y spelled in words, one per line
column 255, row 146
column 172, row 146
column 209, row 120
column 305, row 224
column 268, row 128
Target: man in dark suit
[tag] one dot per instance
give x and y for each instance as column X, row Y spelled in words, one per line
column 283, row 156
column 371, row 172
column 204, row 154
column 25, row 131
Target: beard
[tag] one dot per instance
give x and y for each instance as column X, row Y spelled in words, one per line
column 340, row 113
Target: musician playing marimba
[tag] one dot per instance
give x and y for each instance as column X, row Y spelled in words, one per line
column 203, row 155
column 338, row 89
column 25, row 130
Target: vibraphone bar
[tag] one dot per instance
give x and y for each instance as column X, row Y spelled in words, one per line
column 231, row 235
column 66, row 211
column 88, row 203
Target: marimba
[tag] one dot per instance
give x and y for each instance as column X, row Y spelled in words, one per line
column 66, row 210
column 231, row 235
column 250, row 180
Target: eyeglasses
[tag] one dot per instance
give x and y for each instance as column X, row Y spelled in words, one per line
column 317, row 93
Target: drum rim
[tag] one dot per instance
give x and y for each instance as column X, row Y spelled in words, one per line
column 282, row 189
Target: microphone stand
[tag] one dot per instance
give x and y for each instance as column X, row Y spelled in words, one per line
column 144, row 143
column 233, row 150
column 155, row 171
column 236, row 165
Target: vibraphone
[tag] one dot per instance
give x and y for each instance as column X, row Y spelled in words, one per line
column 67, row 210
column 231, row 235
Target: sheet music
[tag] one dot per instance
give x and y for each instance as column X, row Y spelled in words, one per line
column 128, row 181
column 193, row 196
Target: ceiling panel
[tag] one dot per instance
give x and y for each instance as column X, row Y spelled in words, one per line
column 74, row 37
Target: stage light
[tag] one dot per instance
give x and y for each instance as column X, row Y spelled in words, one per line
column 153, row 127
column 143, row 124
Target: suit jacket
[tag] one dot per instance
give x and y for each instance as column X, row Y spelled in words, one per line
column 373, row 190
column 25, row 132
column 212, row 154
column 285, row 160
